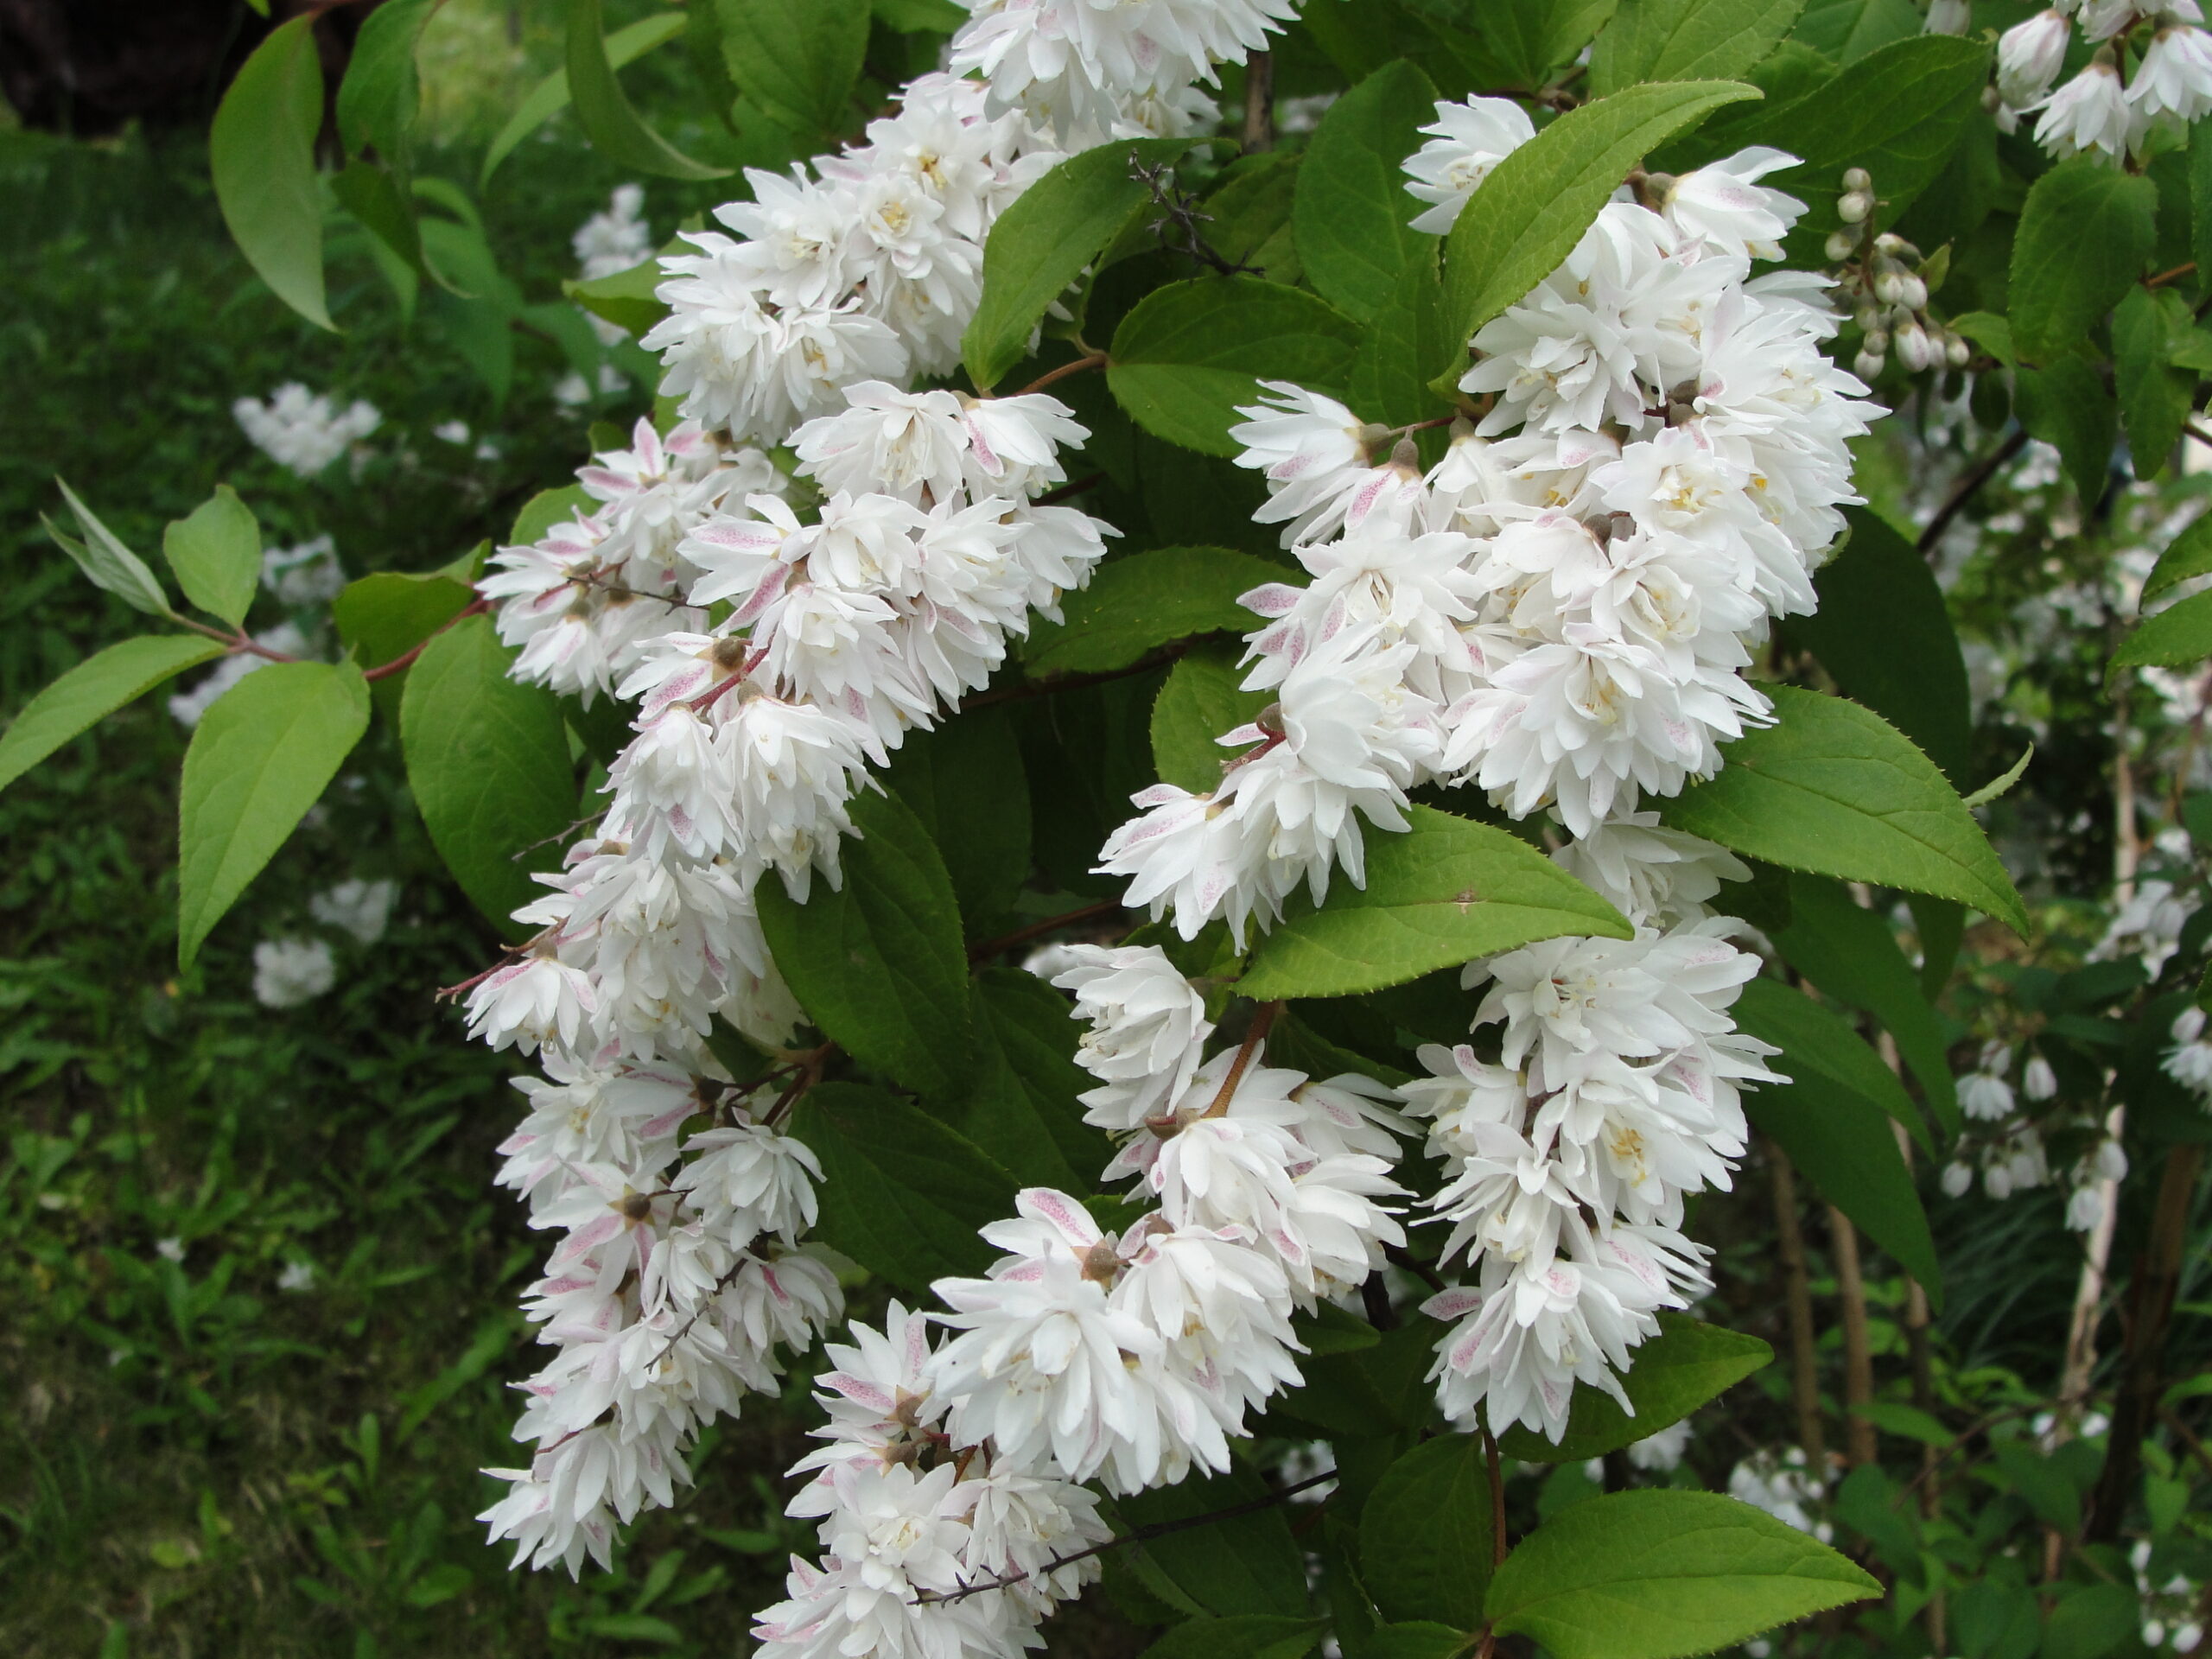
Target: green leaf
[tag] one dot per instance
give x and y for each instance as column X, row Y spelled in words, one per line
column 1885, row 634
column 1837, row 1136
column 1352, row 211
column 378, row 98
column 1998, row 787
column 2177, row 636
column 261, row 149
column 1687, row 39
column 1536, row 203
column 92, row 691
column 1190, row 353
column 1024, row 1111
column 1657, row 1575
column 550, row 96
column 216, row 555
column 1446, row 891
column 385, row 615
column 1405, row 348
column 546, row 509
column 487, row 759
column 1849, row 952
column 106, row 562
column 1244, row 1635
column 1380, row 1389
column 631, row 1627
column 2200, row 198
column 965, row 783
column 1415, row 1640
column 2154, row 396
column 2093, row 1621
column 1530, row 38
column 604, row 111
column 901, row 1193
column 1141, row 601
column 2065, row 403
column 2084, row 234
column 1814, row 1039
column 2188, row 556
column 1201, row 700
column 1834, row 789
column 628, row 299
column 1425, row 1537
column 259, row 758
column 1846, row 30
column 1252, row 211
column 797, row 61
column 1686, row 1365
column 1247, row 1564
column 878, row 963
column 1049, row 235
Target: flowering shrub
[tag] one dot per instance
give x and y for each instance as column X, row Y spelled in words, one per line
column 1536, row 849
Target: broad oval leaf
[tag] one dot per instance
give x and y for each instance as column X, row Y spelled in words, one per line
column 1024, row 1110
column 1406, row 347
column 878, row 963
column 385, row 614
column 1241, row 1635
column 107, row 564
column 1674, row 1373
column 2084, row 234
column 1243, row 1564
column 2155, row 397
column 1834, row 789
column 797, row 61
column 1351, row 213
column 2067, row 403
column 1446, row 891
column 487, row 759
column 2177, row 636
column 1190, row 353
column 1687, row 39
column 546, row 509
column 1536, row 203
column 1202, row 700
column 1425, row 1534
column 1826, row 1119
column 2189, row 554
column 550, row 96
column 259, row 758
column 1658, row 1574
column 216, row 556
column 1046, row 238
column 1143, row 600
column 901, row 1193
column 261, row 149
column 92, row 691
column 967, row 787
column 378, row 98
column 604, row 111
column 629, row 299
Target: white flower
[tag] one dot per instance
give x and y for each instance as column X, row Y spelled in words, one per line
column 305, row 575
column 1018, row 1522
column 1724, row 205
column 2029, row 55
column 1662, row 1451
column 2037, row 1081
column 1654, row 876
column 1222, row 1307
column 1783, row 1486
column 1148, row 1030
column 536, row 1000
column 170, row 1249
column 1948, row 17
column 304, row 431
column 889, row 1528
column 1957, row 1180
column 2174, row 80
column 356, row 906
column 288, row 972
column 2090, row 115
column 296, row 1276
column 1471, row 138
column 1985, row 1096
column 1313, row 453
column 616, row 237
column 747, row 1180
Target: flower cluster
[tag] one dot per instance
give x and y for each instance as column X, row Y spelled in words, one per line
column 2096, row 112
column 948, row 1485
column 304, row 431
column 2010, row 1132
column 1557, row 612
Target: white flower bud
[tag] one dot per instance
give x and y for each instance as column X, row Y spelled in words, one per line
column 1841, row 246
column 1889, row 287
column 1958, row 1180
column 1877, row 340
column 1912, row 347
column 2037, row 1080
column 1857, row 178
column 2110, row 1161
column 1997, row 1181
column 2028, row 58
column 1912, row 292
column 1868, row 366
column 1948, row 17
column 1958, row 351
column 1852, row 206
column 2085, row 1208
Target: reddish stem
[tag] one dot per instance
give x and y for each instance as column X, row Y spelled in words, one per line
column 405, row 660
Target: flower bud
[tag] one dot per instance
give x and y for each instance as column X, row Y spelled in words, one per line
column 1868, row 366
column 1857, row 178
column 1852, row 206
column 1841, row 246
column 1958, row 351
column 1912, row 347
column 1889, row 287
column 1948, row 17
column 2029, row 55
column 1889, row 243
column 1877, row 340
column 1958, row 1180
column 1912, row 292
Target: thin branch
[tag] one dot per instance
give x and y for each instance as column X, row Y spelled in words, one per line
column 1259, row 103
column 2197, row 432
column 2175, row 274
column 236, row 639
column 401, row 664
column 1982, row 472
column 1804, row 1374
column 1077, row 365
column 1077, row 682
column 1006, row 942
column 1246, row 1052
column 1077, row 487
column 1142, row 1535
column 1858, row 1351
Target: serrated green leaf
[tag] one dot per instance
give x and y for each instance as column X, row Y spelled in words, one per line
column 1202, row 700
column 966, row 785
column 260, row 757
column 1850, row 953
column 487, row 761
column 1406, row 347
column 1189, row 355
column 604, row 111
column 878, row 963
column 1839, row 1138
column 2188, row 555
column 1528, row 38
column 216, row 556
column 1686, row 1365
column 546, row 509
column 1834, row 789
column 1659, row 1575
column 1046, row 238
column 92, row 691
column 628, row 299
column 2066, row 403
column 1247, row 1564
column 1141, row 601
column 1536, row 203
column 1244, row 1635
column 2084, row 235
column 1846, row 30
column 261, row 149
column 1447, row 890
column 797, row 62
column 2154, row 395
column 385, row 615
column 1251, row 214
column 1024, row 1110
column 1425, row 1537
column 550, row 96
column 106, row 562
column 1417, row 1639
column 1687, row 39
column 902, row 1194
column 1352, row 214
column 378, row 98
column 2177, row 636
column 2001, row 785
